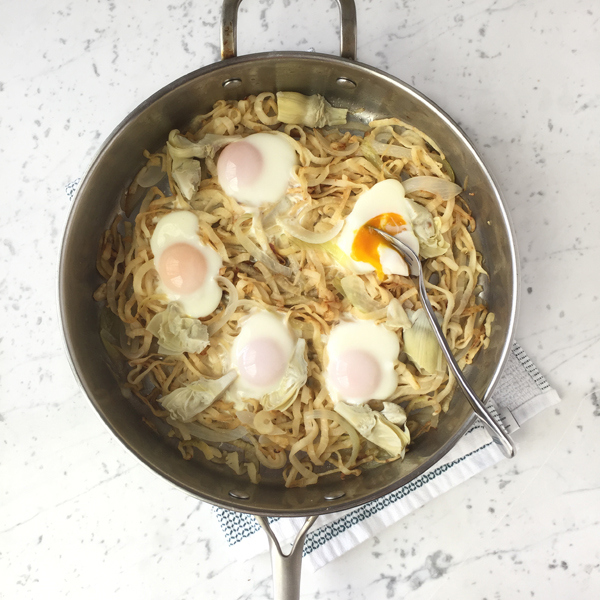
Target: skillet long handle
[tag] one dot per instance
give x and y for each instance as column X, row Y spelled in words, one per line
column 286, row 567
column 500, row 437
column 347, row 28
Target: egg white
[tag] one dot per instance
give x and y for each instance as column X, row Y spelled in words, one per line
column 375, row 340
column 182, row 227
column 384, row 197
column 280, row 393
column 261, row 324
column 271, row 184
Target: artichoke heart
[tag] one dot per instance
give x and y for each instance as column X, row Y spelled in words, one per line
column 396, row 317
column 190, row 400
column 375, row 427
column 181, row 147
column 187, row 173
column 394, row 413
column 186, row 169
column 176, row 333
column 428, row 231
column 421, row 345
column 310, row 111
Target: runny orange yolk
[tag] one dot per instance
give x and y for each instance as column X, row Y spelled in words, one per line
column 365, row 247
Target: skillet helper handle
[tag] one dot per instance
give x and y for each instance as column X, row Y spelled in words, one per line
column 229, row 14
column 286, row 567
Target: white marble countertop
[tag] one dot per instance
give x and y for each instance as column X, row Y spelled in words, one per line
column 81, row 518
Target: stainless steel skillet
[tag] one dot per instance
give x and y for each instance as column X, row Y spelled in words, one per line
column 368, row 93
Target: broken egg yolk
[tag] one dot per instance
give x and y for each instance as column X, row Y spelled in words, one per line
column 365, row 247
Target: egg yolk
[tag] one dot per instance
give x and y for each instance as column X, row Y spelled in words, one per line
column 365, row 247
column 261, row 362
column 355, row 373
column 240, row 164
column 182, row 268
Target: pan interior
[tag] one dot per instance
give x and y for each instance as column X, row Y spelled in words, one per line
column 370, row 94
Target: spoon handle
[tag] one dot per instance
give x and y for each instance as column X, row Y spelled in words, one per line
column 499, row 436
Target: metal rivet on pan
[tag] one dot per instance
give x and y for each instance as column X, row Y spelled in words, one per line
column 232, row 83
column 334, row 495
column 239, row 495
column 346, row 83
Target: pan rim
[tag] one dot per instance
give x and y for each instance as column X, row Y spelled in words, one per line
column 235, row 504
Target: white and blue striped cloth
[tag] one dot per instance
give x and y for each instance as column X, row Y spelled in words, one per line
column 522, row 392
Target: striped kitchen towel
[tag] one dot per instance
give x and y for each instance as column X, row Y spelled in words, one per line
column 521, row 393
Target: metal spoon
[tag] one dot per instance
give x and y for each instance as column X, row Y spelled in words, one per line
column 499, row 436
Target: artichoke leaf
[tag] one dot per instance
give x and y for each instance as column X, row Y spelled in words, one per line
column 186, row 169
column 181, row 147
column 375, row 427
column 187, row 173
column 361, row 417
column 427, row 230
column 311, row 111
column 390, row 437
column 396, row 316
column 421, row 345
column 394, row 413
column 177, row 333
column 190, row 400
